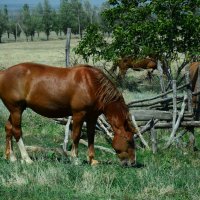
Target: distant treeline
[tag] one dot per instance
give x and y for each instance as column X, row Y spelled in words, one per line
column 75, row 14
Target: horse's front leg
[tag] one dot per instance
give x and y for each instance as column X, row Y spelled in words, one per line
column 9, row 146
column 78, row 119
column 91, row 123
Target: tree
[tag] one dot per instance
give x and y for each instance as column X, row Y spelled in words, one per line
column 26, row 20
column 164, row 29
column 47, row 18
column 56, row 22
column 14, row 25
column 3, row 25
column 92, row 44
column 37, row 14
column 64, row 15
column 74, row 15
column 7, row 20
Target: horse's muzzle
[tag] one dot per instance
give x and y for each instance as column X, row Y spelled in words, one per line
column 128, row 163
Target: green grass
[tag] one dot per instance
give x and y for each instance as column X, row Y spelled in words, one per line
column 170, row 174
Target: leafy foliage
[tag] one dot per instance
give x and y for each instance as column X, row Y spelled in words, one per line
column 160, row 28
column 92, row 44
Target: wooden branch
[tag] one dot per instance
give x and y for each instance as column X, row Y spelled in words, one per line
column 161, row 101
column 98, row 147
column 146, row 115
column 174, row 103
column 104, row 128
column 189, row 91
column 156, row 97
column 67, row 133
column 162, row 125
column 151, row 123
column 139, row 133
column 177, row 122
column 46, row 150
column 60, row 150
column 184, row 64
column 180, row 134
column 159, row 67
column 154, row 140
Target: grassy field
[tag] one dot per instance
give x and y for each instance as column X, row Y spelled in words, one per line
column 170, row 174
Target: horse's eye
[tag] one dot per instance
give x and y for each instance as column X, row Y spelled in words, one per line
column 118, row 151
column 131, row 143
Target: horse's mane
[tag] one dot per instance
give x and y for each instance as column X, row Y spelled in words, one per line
column 107, row 91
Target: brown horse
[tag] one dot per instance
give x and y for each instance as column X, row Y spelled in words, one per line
column 129, row 62
column 81, row 91
column 194, row 71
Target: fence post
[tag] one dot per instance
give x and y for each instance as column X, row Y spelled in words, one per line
column 189, row 90
column 159, row 67
column 174, row 103
column 154, row 140
column 67, row 47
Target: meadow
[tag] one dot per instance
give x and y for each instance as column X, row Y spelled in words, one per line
column 170, row 174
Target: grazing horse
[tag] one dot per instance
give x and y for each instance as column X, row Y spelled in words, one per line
column 194, row 71
column 82, row 92
column 128, row 62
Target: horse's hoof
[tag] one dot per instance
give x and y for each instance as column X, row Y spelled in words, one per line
column 26, row 161
column 10, row 158
column 94, row 162
column 13, row 159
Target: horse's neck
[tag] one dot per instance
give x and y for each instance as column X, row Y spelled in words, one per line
column 114, row 116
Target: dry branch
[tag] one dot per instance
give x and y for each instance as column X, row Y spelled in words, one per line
column 67, row 133
column 161, row 101
column 104, row 128
column 177, row 122
column 154, row 140
column 46, row 150
column 156, row 97
column 151, row 123
column 139, row 133
column 162, row 125
column 60, row 150
column 98, row 147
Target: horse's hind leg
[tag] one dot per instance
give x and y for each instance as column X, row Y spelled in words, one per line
column 9, row 146
column 17, row 133
column 91, row 133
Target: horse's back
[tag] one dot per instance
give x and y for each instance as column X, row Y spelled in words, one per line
column 50, row 91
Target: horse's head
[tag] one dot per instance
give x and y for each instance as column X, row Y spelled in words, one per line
column 123, row 142
column 124, row 146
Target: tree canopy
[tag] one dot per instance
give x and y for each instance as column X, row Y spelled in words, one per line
column 142, row 28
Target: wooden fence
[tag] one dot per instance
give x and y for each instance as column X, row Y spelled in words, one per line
column 171, row 109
